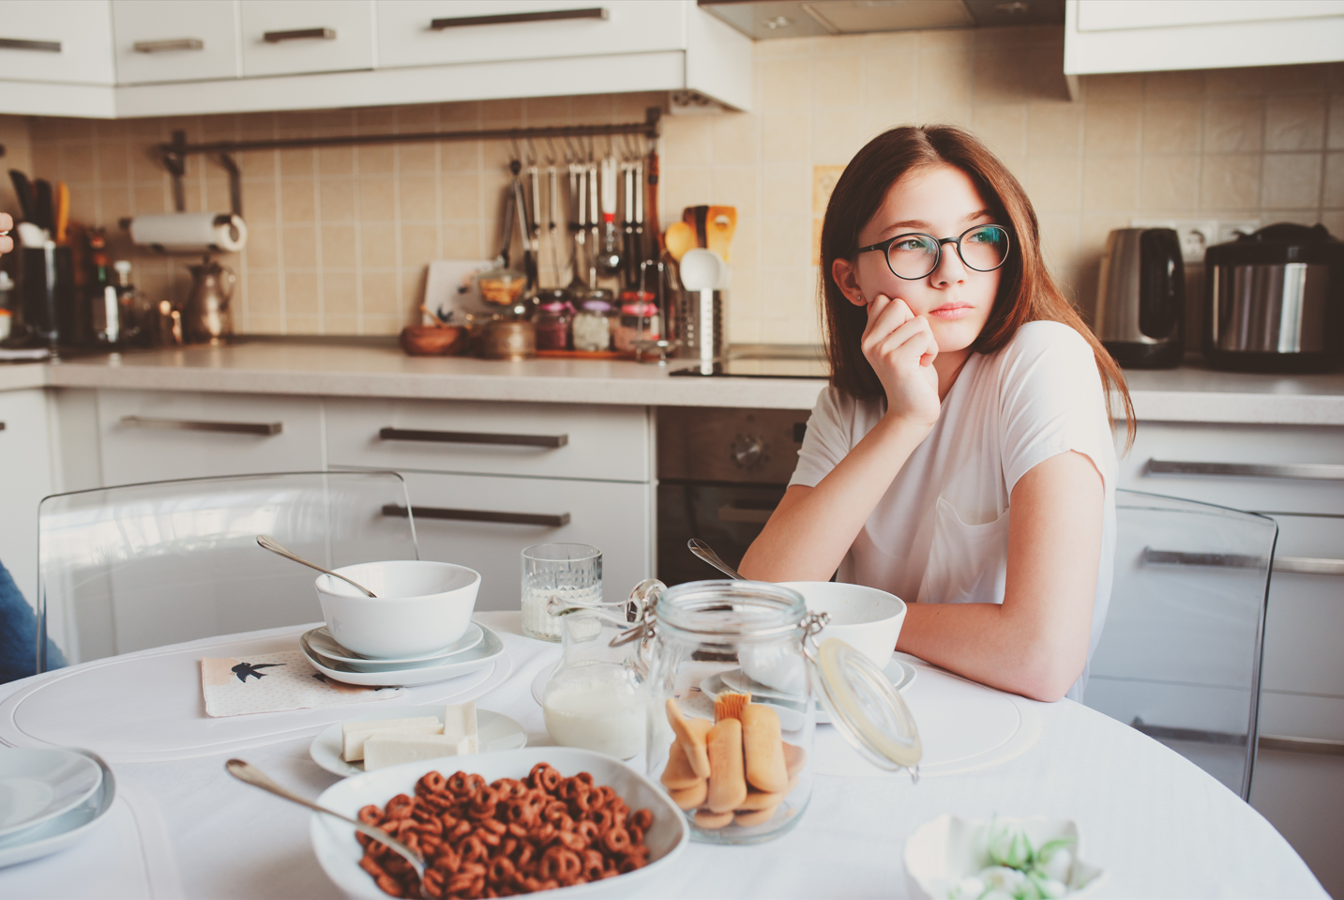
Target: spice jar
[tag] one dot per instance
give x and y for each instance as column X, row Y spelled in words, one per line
column 553, row 320
column 638, row 321
column 593, row 323
column 746, row 651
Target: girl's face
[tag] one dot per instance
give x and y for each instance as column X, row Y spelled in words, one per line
column 942, row 202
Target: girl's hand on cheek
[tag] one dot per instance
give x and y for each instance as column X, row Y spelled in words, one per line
column 900, row 347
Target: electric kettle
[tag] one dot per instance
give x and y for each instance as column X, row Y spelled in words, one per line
column 1141, row 298
column 206, row 318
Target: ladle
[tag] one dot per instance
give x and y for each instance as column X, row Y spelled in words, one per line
column 269, row 543
column 706, row 554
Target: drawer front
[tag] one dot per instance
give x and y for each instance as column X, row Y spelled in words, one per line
column 306, row 36
column 542, row 440
column 156, row 435
column 68, row 42
column 1158, row 445
column 614, row 517
column 159, row 42
column 433, row 32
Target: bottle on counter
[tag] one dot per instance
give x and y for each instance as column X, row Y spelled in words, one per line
column 554, row 321
column 638, row 321
column 594, row 323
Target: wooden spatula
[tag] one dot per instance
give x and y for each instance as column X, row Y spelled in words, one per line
column 720, row 223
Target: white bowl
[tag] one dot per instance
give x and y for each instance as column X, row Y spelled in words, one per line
column 421, row 606
column 339, row 853
column 942, row 852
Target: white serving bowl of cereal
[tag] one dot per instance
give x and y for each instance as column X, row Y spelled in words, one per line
column 339, row 853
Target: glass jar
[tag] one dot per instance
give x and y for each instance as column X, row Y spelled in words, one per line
column 553, row 320
column 568, row 573
column 746, row 650
column 593, row 325
column 638, row 321
column 595, row 698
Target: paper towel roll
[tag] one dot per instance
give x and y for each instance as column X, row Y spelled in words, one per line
column 204, row 232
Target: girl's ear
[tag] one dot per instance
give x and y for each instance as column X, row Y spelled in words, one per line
column 846, row 278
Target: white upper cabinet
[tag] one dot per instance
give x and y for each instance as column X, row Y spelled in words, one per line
column 162, row 42
column 435, row 32
column 69, row 42
column 301, row 36
column 1157, row 35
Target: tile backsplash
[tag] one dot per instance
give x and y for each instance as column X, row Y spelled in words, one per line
column 340, row 236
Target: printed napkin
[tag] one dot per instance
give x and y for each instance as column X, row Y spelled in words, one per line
column 270, row 682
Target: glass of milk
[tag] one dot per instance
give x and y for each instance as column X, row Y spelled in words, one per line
column 569, row 573
column 595, row 697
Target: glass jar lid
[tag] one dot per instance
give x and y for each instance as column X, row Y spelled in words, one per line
column 866, row 707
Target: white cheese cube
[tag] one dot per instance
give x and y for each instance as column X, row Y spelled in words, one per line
column 354, row 734
column 459, row 721
column 382, row 750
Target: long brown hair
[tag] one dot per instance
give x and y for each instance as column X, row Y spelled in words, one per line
column 1027, row 292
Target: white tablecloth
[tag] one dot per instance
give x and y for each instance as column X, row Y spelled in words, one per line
column 1159, row 826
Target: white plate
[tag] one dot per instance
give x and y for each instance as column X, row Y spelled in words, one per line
column 496, row 732
column 37, row 785
column 320, row 643
column 478, row 657
column 339, row 853
column 66, row 829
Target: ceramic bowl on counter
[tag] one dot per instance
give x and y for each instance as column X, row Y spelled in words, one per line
column 433, row 340
column 421, row 606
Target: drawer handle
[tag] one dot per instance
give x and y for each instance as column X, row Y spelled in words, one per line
column 21, row 44
column 1306, row 565
column 479, row 515
column 1318, row 471
column 1222, row 560
column 262, row 428
column 162, row 46
column 594, row 12
column 1316, row 746
column 730, row 513
column 548, row 441
column 2, row 426
column 300, row 34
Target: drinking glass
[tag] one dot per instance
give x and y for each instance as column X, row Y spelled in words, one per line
column 571, row 573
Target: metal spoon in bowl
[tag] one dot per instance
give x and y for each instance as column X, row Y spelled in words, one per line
column 245, row 771
column 269, row 543
column 706, row 554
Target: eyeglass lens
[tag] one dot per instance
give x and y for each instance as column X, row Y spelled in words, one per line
column 916, row 255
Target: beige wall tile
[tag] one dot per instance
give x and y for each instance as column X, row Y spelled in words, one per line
column 784, row 83
column 1110, row 183
column 1167, row 85
column 735, row 139
column 688, row 141
column 417, row 158
column 114, row 161
column 459, row 156
column 298, row 202
column 301, row 293
column 299, row 246
column 837, row 134
column 1111, row 88
column 785, row 137
column 377, row 199
column 944, row 76
column 1169, row 183
column 880, row 118
column 340, row 296
column 151, row 198
column 378, row 159
column 336, row 161
column 683, row 187
column 461, row 196
column 338, row 246
column 380, row 293
column 837, row 80
column 1295, row 123
column 113, row 203
column 263, row 246
column 1229, row 182
column 1294, row 79
column 1111, row 129
column 297, row 163
column 823, row 183
column 1059, row 239
column 1292, row 180
column 1054, row 184
column 263, row 292
column 1054, row 129
column 419, row 244
column 735, row 186
column 888, row 78
column 998, row 75
column 1335, row 135
column 786, row 242
column 462, row 240
column 1002, row 127
column 1171, row 126
column 1333, row 221
column 378, row 245
column 785, row 189
column 1233, row 125
column 419, row 198
column 337, row 199
column 1333, row 195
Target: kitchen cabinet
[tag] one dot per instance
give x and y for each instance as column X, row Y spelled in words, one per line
column 1158, row 35
column 63, row 43
column 163, row 42
column 25, row 478
column 301, row 36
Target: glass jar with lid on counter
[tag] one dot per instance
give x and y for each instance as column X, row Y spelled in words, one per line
column 594, row 322
column 554, row 319
column 638, row 321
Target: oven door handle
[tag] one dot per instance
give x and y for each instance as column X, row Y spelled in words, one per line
column 730, row 513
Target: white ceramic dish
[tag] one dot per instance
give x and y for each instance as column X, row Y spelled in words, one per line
column 37, row 785
column 482, row 655
column 942, row 852
column 339, row 853
column 66, row 829
column 422, row 606
column 321, row 643
column 496, row 732
column 866, row 618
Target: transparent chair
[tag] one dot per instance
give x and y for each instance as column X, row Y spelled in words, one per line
column 143, row 565
column 1179, row 657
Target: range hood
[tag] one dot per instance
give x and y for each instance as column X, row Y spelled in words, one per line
column 766, row 19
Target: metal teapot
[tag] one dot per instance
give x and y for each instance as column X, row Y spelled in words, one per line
column 206, row 317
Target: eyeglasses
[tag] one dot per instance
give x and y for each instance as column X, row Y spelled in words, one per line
column 915, row 256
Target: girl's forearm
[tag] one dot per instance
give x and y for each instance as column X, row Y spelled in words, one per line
column 808, row 535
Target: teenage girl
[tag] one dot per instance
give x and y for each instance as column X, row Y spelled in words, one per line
column 962, row 456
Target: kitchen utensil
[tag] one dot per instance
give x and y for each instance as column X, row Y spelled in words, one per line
column 269, row 543
column 553, row 223
column 720, row 224
column 1141, row 298
column 422, row 606
column 479, row 665
column 652, row 178
column 206, row 317
column 524, row 226
column 704, row 552
column 246, row 772
column 703, row 270
column 432, row 340
column 567, row 572
column 495, row 732
column 534, row 229
column 23, row 189
column 31, row 235
column 62, row 222
column 609, row 259
column 697, row 217
column 43, row 204
column 594, row 226
column 631, row 254
column 679, row 239
column 1274, row 301
column 578, row 225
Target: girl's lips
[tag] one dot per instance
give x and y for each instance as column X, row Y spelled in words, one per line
column 952, row 310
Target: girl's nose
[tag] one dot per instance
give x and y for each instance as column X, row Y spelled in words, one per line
column 950, row 269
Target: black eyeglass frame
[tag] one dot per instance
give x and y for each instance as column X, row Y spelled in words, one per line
column 885, row 247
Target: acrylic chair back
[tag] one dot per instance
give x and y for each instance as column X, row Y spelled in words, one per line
column 144, row 565
column 1180, row 653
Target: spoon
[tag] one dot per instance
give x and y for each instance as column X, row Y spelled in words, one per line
column 706, row 554
column 245, row 771
column 271, row 544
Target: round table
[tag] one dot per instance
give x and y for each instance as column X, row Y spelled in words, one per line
column 1156, row 823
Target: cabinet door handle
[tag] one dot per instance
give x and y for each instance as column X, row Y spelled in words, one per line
column 2, row 426
column 1306, row 565
column 21, row 44
column 730, row 513
column 548, row 441
column 175, row 44
column 479, row 515
column 264, row 429
column 592, row 12
column 1315, row 746
column 1220, row 560
column 300, row 34
column 1318, row 471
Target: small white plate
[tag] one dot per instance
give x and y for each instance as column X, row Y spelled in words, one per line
column 496, row 732
column 481, row 656
column 66, row 829
column 321, row 643
column 37, row 785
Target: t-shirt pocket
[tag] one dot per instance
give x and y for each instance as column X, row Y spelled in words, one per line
column 967, row 563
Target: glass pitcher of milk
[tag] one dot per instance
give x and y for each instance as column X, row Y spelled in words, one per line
column 595, row 698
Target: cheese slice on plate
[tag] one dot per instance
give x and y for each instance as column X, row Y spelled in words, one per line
column 459, row 721
column 354, row 734
column 382, row 750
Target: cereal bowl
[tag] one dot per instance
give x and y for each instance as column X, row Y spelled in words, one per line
column 422, row 606
column 339, row 853
column 866, row 618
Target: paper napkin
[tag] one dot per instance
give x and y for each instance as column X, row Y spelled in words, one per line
column 270, row 682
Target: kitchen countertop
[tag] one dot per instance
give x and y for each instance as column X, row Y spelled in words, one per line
column 1188, row 394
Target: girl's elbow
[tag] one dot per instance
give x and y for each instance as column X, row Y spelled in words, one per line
column 1047, row 675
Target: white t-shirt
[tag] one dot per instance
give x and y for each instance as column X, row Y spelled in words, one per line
column 940, row 533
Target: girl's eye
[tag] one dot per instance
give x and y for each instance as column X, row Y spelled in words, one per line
column 911, row 245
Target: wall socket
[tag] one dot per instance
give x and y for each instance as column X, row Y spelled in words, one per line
column 1197, row 235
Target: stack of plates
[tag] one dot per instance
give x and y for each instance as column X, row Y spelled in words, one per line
column 49, row 799
column 478, row 648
